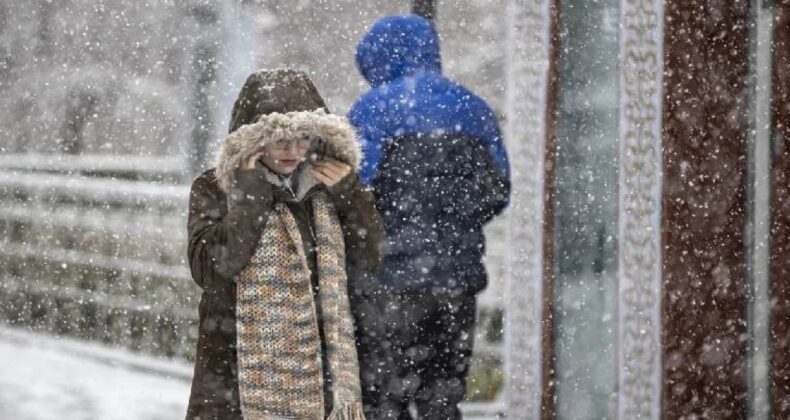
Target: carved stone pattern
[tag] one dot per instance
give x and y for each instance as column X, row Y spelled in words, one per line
column 527, row 76
column 640, row 210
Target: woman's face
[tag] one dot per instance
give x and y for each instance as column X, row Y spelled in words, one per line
column 284, row 156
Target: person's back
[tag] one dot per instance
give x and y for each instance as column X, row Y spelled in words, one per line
column 433, row 153
column 427, row 140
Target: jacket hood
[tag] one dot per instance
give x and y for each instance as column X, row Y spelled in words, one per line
column 279, row 90
column 398, row 46
column 282, row 104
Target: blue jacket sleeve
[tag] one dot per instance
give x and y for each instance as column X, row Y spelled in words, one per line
column 361, row 117
column 491, row 133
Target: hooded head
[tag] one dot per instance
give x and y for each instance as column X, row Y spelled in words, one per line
column 398, row 46
column 277, row 105
column 269, row 91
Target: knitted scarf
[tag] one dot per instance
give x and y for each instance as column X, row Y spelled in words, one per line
column 279, row 348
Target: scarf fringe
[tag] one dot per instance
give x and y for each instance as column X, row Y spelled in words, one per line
column 347, row 411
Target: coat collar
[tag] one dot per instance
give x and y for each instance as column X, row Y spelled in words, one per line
column 306, row 184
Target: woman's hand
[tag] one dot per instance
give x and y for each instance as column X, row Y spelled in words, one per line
column 330, row 171
column 248, row 162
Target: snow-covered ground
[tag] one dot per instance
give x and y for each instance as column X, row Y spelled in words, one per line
column 45, row 378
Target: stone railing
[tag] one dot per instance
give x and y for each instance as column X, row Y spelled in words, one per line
column 94, row 247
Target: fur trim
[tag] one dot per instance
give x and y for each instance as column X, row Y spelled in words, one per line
column 347, row 411
column 335, row 130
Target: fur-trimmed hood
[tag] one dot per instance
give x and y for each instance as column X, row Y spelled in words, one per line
column 340, row 138
column 282, row 104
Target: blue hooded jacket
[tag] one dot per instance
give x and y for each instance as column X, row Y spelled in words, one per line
column 399, row 57
column 433, row 153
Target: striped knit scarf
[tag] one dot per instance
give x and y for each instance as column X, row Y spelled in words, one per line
column 279, row 348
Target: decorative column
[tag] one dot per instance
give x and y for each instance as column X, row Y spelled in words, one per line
column 780, row 216
column 528, row 67
column 639, row 214
column 758, row 209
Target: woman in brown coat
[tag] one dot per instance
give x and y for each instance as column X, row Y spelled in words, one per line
column 277, row 230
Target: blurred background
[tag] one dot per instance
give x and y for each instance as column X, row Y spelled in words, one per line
column 108, row 110
column 641, row 270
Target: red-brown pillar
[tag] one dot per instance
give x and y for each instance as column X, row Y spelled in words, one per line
column 705, row 124
column 548, row 395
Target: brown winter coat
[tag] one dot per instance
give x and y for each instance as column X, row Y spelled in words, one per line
column 228, row 210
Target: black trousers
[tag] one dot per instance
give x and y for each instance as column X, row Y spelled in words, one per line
column 414, row 348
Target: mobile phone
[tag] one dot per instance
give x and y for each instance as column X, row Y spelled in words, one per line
column 317, row 150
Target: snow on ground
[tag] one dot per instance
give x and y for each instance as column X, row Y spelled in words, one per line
column 45, row 378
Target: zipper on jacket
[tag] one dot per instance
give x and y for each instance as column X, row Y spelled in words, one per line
column 286, row 184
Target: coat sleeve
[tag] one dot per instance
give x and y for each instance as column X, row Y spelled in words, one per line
column 367, row 121
column 222, row 238
column 363, row 229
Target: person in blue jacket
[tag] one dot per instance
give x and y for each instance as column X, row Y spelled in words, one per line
column 434, row 155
